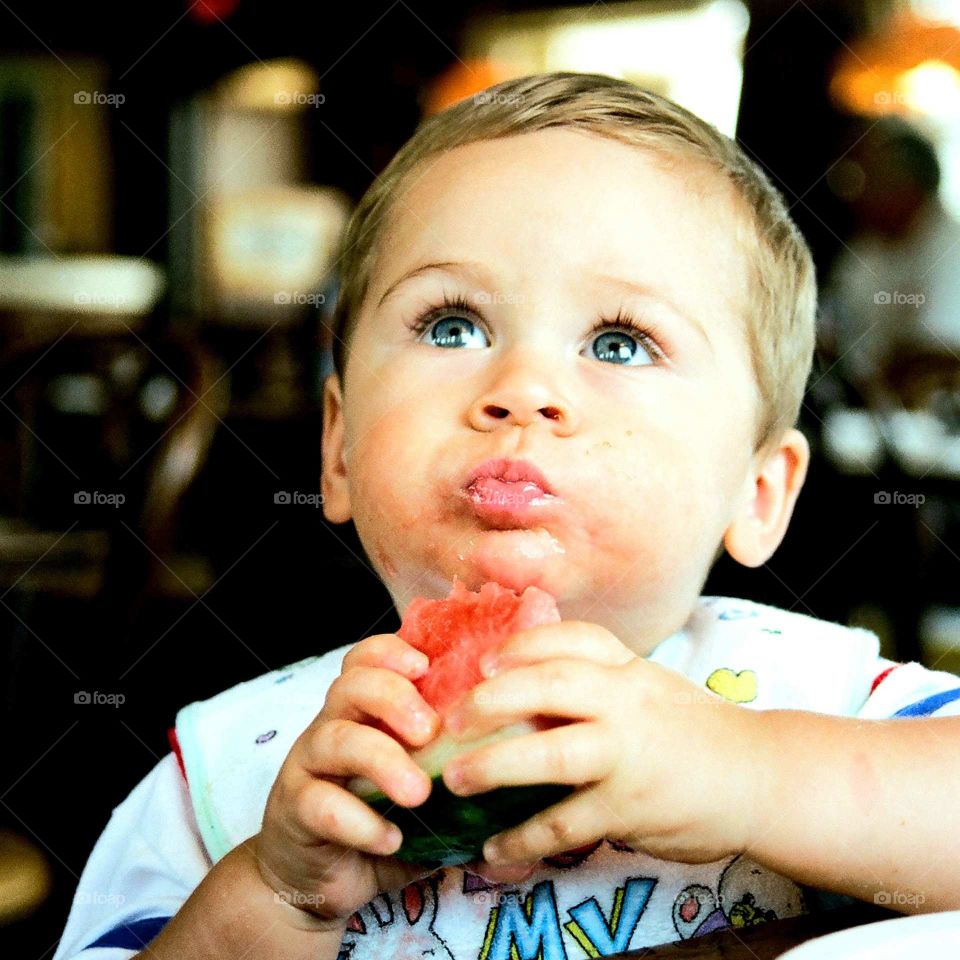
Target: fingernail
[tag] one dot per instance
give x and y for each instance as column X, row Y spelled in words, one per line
column 392, row 839
column 491, row 852
column 423, row 721
column 413, row 781
column 489, row 665
column 453, row 775
column 415, row 663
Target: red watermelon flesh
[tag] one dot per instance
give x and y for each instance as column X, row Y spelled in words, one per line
column 455, row 633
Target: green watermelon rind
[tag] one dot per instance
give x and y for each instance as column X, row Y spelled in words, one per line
column 447, row 830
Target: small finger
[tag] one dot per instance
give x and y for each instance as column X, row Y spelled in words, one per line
column 344, row 748
column 569, row 639
column 573, row 822
column 575, row 754
column 374, row 692
column 556, row 688
column 387, row 650
column 325, row 810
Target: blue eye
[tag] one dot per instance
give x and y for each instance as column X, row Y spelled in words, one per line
column 451, row 328
column 624, row 339
column 624, row 347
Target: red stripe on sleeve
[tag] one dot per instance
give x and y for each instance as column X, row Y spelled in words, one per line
column 882, row 676
column 175, row 746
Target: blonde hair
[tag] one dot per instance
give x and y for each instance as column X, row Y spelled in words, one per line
column 781, row 299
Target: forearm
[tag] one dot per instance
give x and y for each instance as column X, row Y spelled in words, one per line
column 867, row 808
column 233, row 913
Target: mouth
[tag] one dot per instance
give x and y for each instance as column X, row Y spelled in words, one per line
column 509, row 493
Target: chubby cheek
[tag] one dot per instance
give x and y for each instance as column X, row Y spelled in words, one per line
column 655, row 512
column 388, row 469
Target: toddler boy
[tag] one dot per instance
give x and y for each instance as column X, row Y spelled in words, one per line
column 593, row 289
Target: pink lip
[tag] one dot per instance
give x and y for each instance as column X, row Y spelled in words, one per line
column 507, row 493
column 509, row 471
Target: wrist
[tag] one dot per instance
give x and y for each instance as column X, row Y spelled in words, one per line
column 756, row 778
column 294, row 908
column 301, row 918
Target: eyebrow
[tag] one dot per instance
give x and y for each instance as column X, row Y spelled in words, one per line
column 651, row 293
column 449, row 266
column 625, row 286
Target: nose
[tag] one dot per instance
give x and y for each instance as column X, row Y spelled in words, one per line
column 522, row 396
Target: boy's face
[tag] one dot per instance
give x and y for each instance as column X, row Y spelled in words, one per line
column 648, row 456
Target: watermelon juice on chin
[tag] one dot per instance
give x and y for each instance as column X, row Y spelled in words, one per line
column 455, row 633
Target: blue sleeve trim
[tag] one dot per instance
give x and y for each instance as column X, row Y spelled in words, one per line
column 928, row 705
column 132, row 936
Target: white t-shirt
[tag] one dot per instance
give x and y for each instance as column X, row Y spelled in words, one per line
column 165, row 836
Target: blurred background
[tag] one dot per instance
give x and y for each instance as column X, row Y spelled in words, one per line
column 174, row 179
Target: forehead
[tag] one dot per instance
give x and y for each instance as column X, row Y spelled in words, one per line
column 560, row 200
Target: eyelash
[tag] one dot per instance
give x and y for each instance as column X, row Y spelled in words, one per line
column 643, row 332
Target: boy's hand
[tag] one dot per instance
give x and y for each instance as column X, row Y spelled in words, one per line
column 663, row 765
column 320, row 847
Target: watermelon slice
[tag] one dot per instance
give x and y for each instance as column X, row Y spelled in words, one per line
column 455, row 633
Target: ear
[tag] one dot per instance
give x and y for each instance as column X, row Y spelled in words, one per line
column 770, row 492
column 333, row 477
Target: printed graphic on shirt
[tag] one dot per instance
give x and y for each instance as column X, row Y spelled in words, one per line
column 737, row 687
column 747, row 894
column 562, row 918
column 398, row 924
